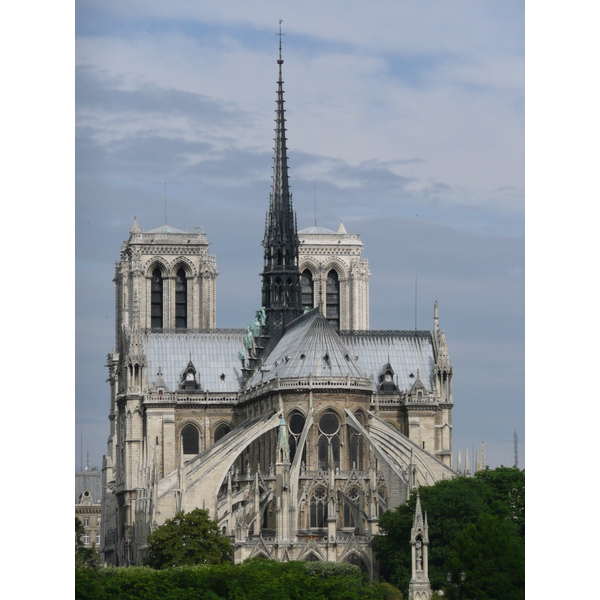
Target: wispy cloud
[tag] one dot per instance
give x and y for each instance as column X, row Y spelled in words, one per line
column 408, row 117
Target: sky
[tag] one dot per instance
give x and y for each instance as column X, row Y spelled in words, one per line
column 406, row 118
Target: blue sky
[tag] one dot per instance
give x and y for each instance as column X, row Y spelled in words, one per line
column 408, row 117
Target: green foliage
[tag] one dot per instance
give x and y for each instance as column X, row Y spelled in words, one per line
column 391, row 591
column 327, row 569
column 264, row 579
column 506, row 486
column 451, row 505
column 188, row 539
column 493, row 557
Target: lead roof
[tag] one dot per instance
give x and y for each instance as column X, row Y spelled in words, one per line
column 309, row 346
column 219, row 353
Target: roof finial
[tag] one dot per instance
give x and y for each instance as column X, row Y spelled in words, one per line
column 280, row 61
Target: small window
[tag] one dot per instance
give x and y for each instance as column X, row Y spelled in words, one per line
column 97, row 538
column 86, row 539
column 86, row 521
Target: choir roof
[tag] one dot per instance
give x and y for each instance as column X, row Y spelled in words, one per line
column 302, row 351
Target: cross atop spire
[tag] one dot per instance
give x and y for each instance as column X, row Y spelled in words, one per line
column 280, row 61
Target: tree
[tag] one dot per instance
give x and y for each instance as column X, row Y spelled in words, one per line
column 493, row 558
column 451, row 505
column 187, row 539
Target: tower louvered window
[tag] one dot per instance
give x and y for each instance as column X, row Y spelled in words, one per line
column 181, row 300
column 307, row 290
column 156, row 299
column 332, row 309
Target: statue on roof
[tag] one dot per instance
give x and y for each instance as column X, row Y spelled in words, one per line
column 263, row 316
column 256, row 324
column 249, row 341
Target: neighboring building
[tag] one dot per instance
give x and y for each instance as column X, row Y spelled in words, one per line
column 88, row 496
column 296, row 432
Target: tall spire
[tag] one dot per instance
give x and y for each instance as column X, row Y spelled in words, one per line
column 281, row 277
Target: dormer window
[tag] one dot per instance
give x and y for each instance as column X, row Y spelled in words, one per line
column 188, row 379
column 386, row 380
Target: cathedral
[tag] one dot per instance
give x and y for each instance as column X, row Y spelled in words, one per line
column 295, row 432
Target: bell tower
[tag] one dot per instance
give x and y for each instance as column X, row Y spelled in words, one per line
column 280, row 276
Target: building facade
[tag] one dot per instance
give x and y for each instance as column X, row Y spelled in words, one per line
column 296, row 432
column 88, row 497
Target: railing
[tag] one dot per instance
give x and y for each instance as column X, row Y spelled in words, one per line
column 310, row 383
column 202, row 398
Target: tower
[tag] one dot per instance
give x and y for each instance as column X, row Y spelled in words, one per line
column 335, row 276
column 419, row 588
column 280, row 276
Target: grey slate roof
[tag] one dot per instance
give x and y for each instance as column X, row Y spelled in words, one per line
column 165, row 229
column 407, row 352
column 213, row 353
column 302, row 351
column 219, row 352
column 91, row 481
column 317, row 229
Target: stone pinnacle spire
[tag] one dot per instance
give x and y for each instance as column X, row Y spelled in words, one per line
column 281, row 277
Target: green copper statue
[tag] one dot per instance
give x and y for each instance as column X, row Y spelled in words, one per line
column 256, row 324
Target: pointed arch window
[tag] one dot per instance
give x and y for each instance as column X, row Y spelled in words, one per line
column 295, row 427
column 307, row 289
column 353, row 559
column 382, row 503
column 332, row 299
column 278, row 292
column 181, row 300
column 221, row 431
column 348, row 513
column 190, row 440
column 318, row 509
column 156, row 300
column 329, row 440
column 356, row 445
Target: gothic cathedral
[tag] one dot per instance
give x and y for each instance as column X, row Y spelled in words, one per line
column 295, row 433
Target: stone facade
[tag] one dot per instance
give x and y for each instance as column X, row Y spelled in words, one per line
column 329, row 260
column 296, row 432
column 88, row 496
